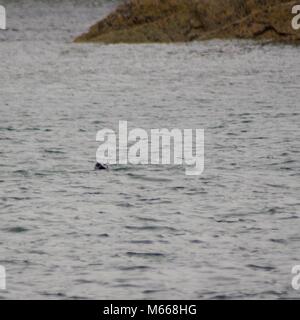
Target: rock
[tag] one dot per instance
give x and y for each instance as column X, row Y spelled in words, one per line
column 140, row 21
column 196, row 23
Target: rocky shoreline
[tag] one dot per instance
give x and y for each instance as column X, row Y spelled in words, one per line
column 146, row 21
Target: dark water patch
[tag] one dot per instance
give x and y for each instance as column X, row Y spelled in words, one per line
column 149, row 291
column 98, row 122
column 37, row 252
column 274, row 210
column 25, row 173
column 103, row 235
column 141, row 241
column 42, row 174
column 147, row 178
column 254, row 229
column 290, row 217
column 151, row 227
column 177, row 212
column 16, row 229
column 221, row 297
column 195, row 192
column 19, row 198
column 289, row 161
column 14, row 262
column 77, row 297
column 134, row 268
column 145, row 254
column 225, row 221
column 153, row 201
column 277, row 186
column 294, row 238
column 196, row 241
column 9, row 128
column 33, row 129
column 54, row 151
column 126, row 285
column 178, row 188
column 123, row 168
column 93, row 193
column 281, row 241
column 232, row 219
column 246, row 121
column 5, row 139
column 58, row 295
column 125, row 205
column 148, row 219
column 232, row 134
column 260, row 267
column 84, row 281
column 259, row 138
column 150, row 199
column 286, row 168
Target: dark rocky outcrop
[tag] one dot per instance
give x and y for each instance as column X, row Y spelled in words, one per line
column 142, row 21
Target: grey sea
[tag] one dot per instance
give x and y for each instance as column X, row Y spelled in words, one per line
column 144, row 232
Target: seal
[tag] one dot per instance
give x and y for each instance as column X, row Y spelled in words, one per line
column 100, row 166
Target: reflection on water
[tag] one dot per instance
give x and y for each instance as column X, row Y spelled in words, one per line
column 144, row 231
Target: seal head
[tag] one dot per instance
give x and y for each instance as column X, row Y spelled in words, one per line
column 100, row 166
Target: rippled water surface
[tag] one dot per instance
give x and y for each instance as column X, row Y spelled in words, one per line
column 144, row 232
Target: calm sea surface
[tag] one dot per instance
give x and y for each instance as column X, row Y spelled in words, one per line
column 144, row 232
